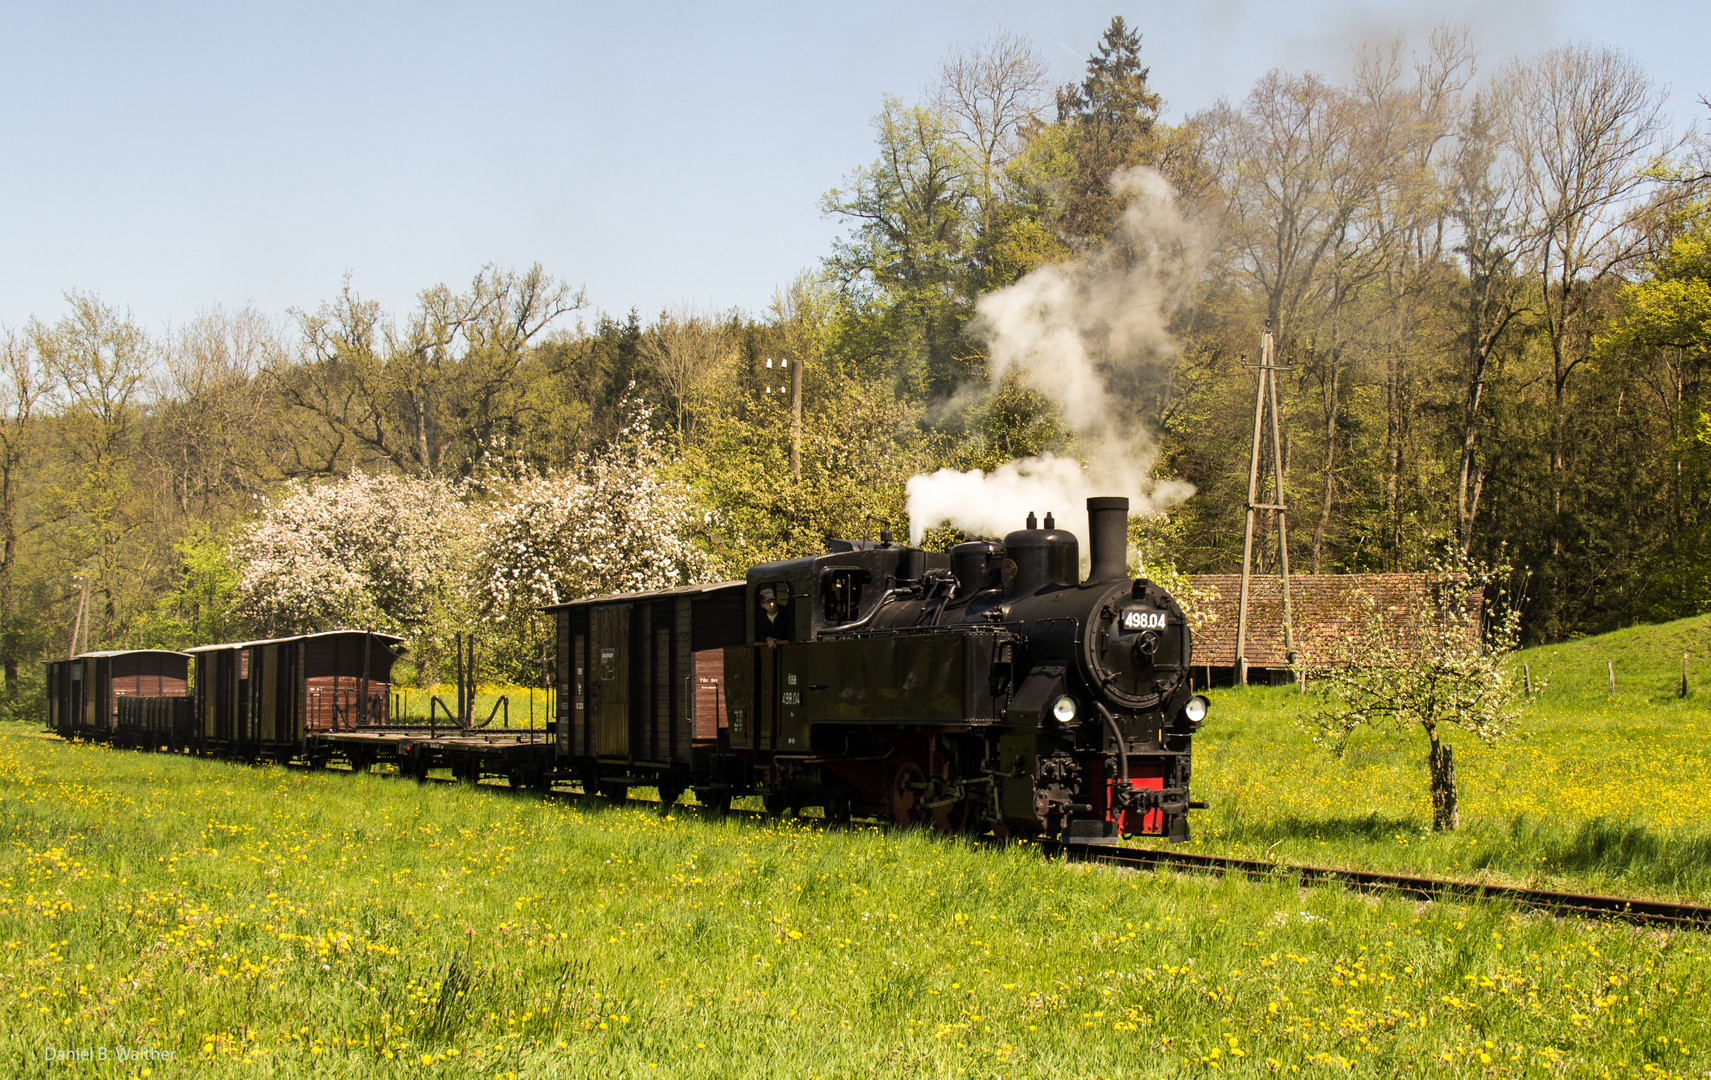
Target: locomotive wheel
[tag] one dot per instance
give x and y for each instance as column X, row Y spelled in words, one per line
column 668, row 796
column 908, row 785
column 615, row 793
column 775, row 803
column 953, row 820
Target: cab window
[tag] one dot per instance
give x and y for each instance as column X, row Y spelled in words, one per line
column 840, row 594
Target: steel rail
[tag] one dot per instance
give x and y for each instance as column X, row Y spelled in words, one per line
column 1619, row 908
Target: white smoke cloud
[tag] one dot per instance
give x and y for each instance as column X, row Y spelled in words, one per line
column 1087, row 334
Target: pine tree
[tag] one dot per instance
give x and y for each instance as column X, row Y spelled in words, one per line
column 1112, row 117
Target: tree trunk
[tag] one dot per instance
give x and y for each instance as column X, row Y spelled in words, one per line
column 1442, row 763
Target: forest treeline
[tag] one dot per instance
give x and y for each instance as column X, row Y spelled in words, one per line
column 1492, row 289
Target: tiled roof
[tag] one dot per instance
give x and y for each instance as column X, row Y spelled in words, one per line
column 1321, row 606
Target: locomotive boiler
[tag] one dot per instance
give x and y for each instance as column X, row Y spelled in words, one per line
column 990, row 688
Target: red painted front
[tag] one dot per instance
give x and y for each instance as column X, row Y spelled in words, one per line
column 1148, row 775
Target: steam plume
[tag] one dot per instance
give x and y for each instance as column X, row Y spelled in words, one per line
column 1089, row 335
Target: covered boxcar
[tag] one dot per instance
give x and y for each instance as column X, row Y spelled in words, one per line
column 641, row 687
column 267, row 699
column 84, row 691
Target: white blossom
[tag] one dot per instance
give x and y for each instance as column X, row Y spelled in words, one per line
column 611, row 523
column 369, row 551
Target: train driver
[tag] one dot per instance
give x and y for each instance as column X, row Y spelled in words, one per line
column 774, row 624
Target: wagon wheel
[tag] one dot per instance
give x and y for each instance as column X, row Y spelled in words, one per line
column 838, row 810
column 669, row 793
column 716, row 799
column 775, row 803
column 908, row 785
column 615, row 793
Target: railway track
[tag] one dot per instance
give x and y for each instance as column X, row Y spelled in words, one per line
column 1612, row 908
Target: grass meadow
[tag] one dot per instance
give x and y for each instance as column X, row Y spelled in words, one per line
column 259, row 921
column 1596, row 793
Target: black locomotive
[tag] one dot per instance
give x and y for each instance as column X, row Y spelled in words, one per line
column 989, row 689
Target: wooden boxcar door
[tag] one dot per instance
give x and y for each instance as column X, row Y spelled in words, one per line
column 664, row 689
column 106, row 707
column 243, row 724
column 74, row 694
column 609, row 686
column 264, row 679
column 638, row 649
column 300, row 690
column 572, row 684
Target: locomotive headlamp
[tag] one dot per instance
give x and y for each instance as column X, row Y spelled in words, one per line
column 1196, row 708
column 1064, row 709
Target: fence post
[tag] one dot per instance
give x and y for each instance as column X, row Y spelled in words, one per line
column 1527, row 675
column 1683, row 674
column 1611, row 666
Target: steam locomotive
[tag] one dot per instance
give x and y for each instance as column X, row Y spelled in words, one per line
column 987, row 689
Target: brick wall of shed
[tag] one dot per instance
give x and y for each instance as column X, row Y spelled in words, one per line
column 1322, row 606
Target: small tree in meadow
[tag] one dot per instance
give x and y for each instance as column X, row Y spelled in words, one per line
column 1434, row 663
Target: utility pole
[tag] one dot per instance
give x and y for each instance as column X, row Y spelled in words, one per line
column 1267, row 394
column 80, row 625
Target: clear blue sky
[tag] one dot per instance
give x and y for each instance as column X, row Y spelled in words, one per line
column 173, row 156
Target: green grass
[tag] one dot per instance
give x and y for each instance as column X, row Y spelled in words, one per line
column 257, row 921
column 1596, row 793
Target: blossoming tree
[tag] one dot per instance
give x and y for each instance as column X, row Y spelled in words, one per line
column 613, row 523
column 1434, row 664
column 370, row 551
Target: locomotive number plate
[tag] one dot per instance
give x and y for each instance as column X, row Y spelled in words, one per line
column 1135, row 619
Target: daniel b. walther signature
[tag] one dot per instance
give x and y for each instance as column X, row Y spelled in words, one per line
column 108, row 1053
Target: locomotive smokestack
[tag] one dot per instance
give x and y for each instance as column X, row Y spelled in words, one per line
column 1108, row 538
column 1033, row 522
